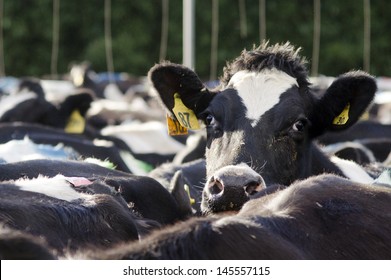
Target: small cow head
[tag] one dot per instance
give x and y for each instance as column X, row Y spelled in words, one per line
column 262, row 116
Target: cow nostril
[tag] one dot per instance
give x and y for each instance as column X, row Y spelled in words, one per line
column 215, row 186
column 253, row 187
column 215, row 189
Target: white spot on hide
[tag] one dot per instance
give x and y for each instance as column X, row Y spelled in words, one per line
column 57, row 187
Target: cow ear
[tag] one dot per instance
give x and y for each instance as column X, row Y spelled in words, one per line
column 174, row 81
column 343, row 103
column 181, row 196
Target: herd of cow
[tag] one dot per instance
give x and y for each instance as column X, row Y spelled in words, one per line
column 271, row 167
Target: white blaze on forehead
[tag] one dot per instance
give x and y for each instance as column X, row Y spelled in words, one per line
column 260, row 91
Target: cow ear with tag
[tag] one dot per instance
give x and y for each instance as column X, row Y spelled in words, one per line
column 343, row 103
column 181, row 92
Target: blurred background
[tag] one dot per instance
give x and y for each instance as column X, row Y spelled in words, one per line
column 73, row 73
column 43, row 38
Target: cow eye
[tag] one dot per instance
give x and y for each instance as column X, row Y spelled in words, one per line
column 299, row 125
column 210, row 120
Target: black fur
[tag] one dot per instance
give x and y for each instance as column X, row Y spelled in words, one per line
column 323, row 217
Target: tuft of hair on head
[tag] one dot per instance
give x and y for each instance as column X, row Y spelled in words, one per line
column 282, row 56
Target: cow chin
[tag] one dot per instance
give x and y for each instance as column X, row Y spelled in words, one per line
column 231, row 200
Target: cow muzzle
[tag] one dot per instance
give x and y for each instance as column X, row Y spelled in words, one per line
column 229, row 188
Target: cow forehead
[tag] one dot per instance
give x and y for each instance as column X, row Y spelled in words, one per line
column 260, row 91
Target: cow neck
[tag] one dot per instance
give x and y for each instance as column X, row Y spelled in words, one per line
column 319, row 163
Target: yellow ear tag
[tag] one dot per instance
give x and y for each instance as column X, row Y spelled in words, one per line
column 76, row 123
column 184, row 115
column 187, row 189
column 343, row 117
column 174, row 127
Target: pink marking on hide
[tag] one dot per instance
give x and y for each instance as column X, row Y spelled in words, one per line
column 78, row 181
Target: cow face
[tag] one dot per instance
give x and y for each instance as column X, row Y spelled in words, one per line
column 262, row 119
column 259, row 119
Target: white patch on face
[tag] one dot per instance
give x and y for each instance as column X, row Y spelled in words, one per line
column 260, row 91
column 57, row 187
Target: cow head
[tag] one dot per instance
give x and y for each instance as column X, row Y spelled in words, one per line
column 261, row 119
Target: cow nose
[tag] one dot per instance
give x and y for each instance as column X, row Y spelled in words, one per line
column 229, row 188
column 250, row 182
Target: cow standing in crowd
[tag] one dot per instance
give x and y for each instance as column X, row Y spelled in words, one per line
column 262, row 120
column 273, row 192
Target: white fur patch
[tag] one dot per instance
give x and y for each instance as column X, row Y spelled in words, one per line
column 352, row 170
column 57, row 187
column 261, row 91
column 384, row 178
column 144, row 138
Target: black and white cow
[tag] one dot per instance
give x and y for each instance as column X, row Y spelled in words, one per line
column 29, row 104
column 322, row 217
column 143, row 195
column 63, row 206
column 69, row 213
column 262, row 120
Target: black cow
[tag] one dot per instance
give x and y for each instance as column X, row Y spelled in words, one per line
column 262, row 120
column 176, row 178
column 322, row 217
column 19, row 245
